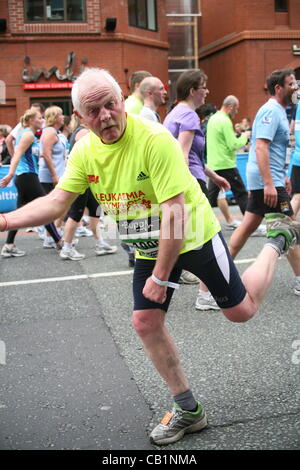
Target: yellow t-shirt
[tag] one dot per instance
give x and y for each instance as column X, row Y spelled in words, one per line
column 133, row 176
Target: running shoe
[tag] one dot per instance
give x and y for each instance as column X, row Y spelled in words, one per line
column 12, row 251
column 83, row 232
column 205, row 301
column 104, row 248
column 174, row 425
column 71, row 254
column 49, row 242
column 297, row 287
column 232, row 225
column 280, row 224
column 41, row 232
column 188, row 278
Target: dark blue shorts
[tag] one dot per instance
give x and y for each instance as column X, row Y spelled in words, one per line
column 212, row 263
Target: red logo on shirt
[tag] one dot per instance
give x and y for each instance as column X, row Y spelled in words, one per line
column 93, row 178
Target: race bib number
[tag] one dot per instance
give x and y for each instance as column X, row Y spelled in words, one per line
column 142, row 234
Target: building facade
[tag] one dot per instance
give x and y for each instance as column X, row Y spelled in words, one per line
column 45, row 44
column 242, row 42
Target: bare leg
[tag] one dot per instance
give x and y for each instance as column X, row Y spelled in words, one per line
column 293, row 254
column 69, row 230
column 224, row 208
column 160, row 348
column 95, row 228
column 257, row 279
column 241, row 234
column 295, row 203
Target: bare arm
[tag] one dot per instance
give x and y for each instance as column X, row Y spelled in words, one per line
column 185, row 139
column 170, row 242
column 217, row 179
column 263, row 161
column 49, row 138
column 41, row 211
column 25, row 142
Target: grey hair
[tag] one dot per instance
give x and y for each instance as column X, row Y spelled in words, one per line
column 89, row 78
column 230, row 100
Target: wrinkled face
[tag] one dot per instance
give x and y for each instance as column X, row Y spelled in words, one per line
column 103, row 112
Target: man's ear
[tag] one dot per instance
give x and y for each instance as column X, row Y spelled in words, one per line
column 77, row 114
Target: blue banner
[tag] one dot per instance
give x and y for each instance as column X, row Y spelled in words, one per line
column 8, row 195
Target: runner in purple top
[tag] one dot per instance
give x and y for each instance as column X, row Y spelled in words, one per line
column 184, row 123
column 182, row 118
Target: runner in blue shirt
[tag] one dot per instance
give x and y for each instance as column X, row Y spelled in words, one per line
column 266, row 176
column 24, row 164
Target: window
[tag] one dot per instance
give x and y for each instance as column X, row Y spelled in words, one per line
column 46, row 11
column 281, row 5
column 64, row 103
column 142, row 14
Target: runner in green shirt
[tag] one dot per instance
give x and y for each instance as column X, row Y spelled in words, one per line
column 134, row 102
column 221, row 146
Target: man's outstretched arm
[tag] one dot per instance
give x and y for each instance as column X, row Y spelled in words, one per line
column 41, row 211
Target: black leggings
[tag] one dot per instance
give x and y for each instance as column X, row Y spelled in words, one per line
column 237, row 187
column 84, row 200
column 30, row 188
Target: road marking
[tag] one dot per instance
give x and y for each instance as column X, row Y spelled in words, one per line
column 88, row 276
column 65, row 278
column 244, row 261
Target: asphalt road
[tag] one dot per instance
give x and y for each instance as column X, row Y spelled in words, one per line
column 73, row 374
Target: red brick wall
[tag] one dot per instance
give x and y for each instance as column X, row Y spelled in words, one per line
column 47, row 45
column 246, row 43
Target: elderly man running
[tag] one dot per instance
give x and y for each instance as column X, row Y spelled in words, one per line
column 136, row 170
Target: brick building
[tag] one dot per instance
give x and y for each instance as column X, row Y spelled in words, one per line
column 45, row 43
column 239, row 42
column 242, row 41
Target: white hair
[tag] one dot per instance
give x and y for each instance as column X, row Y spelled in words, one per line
column 90, row 78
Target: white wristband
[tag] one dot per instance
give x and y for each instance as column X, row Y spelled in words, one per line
column 164, row 283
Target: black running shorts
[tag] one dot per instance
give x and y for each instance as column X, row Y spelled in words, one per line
column 257, row 206
column 295, row 179
column 212, row 263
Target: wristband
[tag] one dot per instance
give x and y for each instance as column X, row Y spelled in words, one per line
column 173, row 285
column 6, row 223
